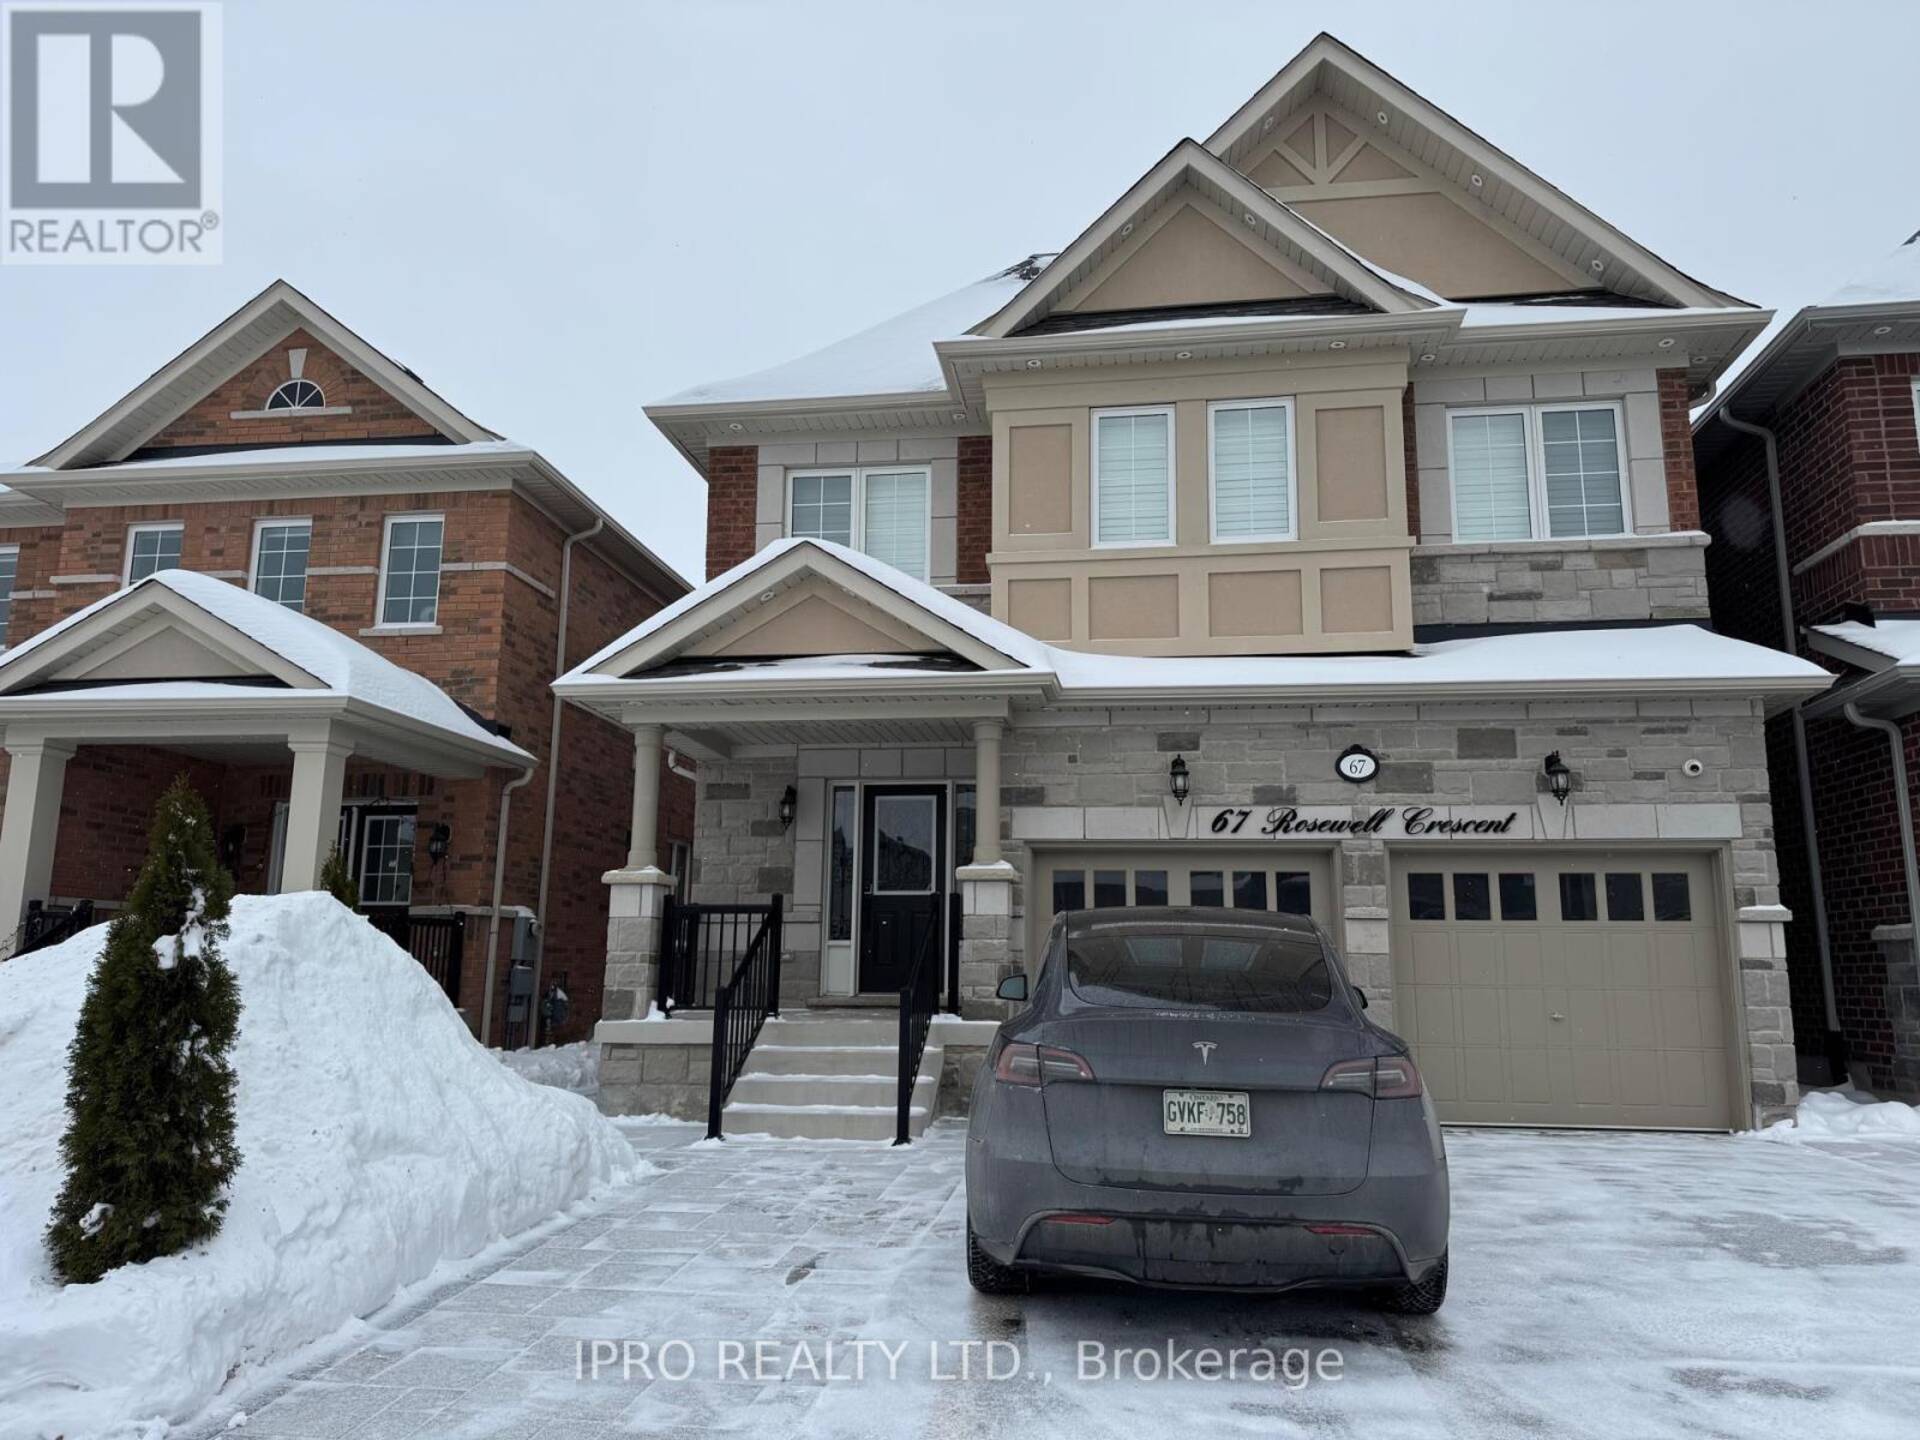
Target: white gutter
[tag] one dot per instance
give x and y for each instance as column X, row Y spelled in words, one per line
column 493, row 923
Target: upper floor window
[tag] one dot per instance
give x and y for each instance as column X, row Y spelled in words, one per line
column 410, row 571
column 1250, row 459
column 297, row 395
column 153, row 547
column 9, row 569
column 1133, row 476
column 1537, row 472
column 884, row 510
column 280, row 549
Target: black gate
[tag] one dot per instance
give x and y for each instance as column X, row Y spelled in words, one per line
column 438, row 942
column 702, row 945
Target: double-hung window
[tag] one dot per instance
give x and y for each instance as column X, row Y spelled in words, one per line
column 884, row 510
column 153, row 547
column 1250, row 464
column 1133, row 476
column 1537, row 472
column 280, row 549
column 410, row 575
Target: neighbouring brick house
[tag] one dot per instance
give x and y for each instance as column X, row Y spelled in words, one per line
column 1834, row 397
column 1317, row 531
column 285, row 456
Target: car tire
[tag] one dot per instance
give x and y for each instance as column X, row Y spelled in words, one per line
column 988, row 1275
column 1422, row 1298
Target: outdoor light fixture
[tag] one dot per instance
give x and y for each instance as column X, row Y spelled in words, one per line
column 1177, row 778
column 787, row 802
column 439, row 841
column 1559, row 777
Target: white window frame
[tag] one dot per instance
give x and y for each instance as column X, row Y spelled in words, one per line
column 1292, row 532
column 265, row 523
column 1537, row 469
column 401, row 627
column 146, row 527
column 14, row 551
column 857, row 527
column 1916, row 403
column 1173, row 452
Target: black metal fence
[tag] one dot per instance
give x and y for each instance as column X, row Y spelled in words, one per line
column 438, row 942
column 45, row 925
column 740, row 1006
column 919, row 998
column 702, row 945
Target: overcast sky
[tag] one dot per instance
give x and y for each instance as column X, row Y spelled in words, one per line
column 556, row 212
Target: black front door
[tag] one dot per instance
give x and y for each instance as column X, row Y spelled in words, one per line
column 902, row 882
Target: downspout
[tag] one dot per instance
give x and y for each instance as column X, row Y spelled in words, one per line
column 1903, row 802
column 493, row 924
column 1803, row 773
column 553, row 769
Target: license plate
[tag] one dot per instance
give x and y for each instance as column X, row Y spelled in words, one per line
column 1206, row 1112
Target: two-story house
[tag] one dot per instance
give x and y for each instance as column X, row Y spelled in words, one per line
column 286, row 568
column 1315, row 531
column 1810, row 483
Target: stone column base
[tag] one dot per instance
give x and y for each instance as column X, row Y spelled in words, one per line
column 986, row 937
column 635, row 902
column 1774, row 1067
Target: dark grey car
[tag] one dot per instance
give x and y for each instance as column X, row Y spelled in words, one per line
column 1197, row 1098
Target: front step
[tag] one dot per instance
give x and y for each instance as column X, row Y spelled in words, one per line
column 828, row 1077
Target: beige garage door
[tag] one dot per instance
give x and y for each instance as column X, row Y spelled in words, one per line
column 1275, row 878
column 1573, row 989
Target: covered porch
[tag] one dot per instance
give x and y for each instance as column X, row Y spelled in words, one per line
column 300, row 739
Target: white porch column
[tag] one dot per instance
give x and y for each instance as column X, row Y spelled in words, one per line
column 986, row 791
column 642, row 846
column 313, row 809
column 37, row 775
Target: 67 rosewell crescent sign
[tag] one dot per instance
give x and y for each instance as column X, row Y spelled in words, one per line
column 1388, row 822
column 109, row 133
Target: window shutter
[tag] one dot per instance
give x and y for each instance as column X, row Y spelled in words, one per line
column 1252, row 491
column 1490, row 478
column 1134, row 456
column 896, row 519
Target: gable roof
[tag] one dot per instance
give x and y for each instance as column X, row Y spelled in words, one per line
column 271, row 315
column 1509, row 189
column 258, row 652
column 1189, row 167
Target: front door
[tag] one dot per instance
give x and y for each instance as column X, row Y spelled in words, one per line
column 902, row 882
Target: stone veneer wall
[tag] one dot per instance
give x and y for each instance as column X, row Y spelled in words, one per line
column 743, row 855
column 1654, row 577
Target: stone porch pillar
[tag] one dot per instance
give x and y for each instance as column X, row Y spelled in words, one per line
column 313, row 808
column 986, row 888
column 35, row 781
column 637, row 893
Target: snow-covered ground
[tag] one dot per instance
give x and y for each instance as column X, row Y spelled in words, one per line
column 1604, row 1286
column 574, row 1067
column 1846, row 1115
column 381, row 1145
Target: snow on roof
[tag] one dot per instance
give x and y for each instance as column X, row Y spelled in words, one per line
column 1485, row 316
column 1892, row 279
column 298, row 454
column 1897, row 640
column 341, row 664
column 895, row 357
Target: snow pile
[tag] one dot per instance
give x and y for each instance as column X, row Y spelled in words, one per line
column 378, row 1139
column 573, row 1067
column 1847, row 1115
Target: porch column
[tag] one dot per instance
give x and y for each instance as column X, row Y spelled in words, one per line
column 313, row 809
column 35, row 780
column 986, row 888
column 637, row 895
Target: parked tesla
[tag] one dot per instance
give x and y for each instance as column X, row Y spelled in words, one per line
column 1197, row 1098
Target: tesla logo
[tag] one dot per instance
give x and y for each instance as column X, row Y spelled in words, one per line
column 1206, row 1049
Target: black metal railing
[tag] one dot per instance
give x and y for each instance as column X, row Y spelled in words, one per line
column 438, row 942
column 701, row 946
column 953, row 952
column 919, row 997
column 45, row 925
column 740, row 1006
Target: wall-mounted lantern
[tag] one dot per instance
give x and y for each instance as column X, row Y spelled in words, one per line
column 787, row 803
column 1177, row 778
column 1559, row 777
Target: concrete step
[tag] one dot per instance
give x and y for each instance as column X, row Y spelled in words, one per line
column 829, row 1122
column 823, row 1059
column 828, row 1089
column 800, row 1028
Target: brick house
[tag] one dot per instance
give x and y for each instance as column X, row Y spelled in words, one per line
column 1315, row 531
column 1830, row 568
column 302, row 470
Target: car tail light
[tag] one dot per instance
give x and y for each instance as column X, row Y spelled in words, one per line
column 1022, row 1064
column 1392, row 1077
column 1339, row 1230
column 1079, row 1219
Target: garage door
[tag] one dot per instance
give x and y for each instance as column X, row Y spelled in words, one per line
column 1578, row 989
column 1300, row 881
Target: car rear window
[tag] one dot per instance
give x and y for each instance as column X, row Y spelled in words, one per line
column 1196, row 968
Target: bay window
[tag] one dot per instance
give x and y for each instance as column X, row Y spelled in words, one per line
column 885, row 511
column 1537, row 472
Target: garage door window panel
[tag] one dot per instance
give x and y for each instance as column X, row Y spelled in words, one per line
column 1293, row 892
column 1672, row 901
column 1624, row 898
column 1208, row 889
column 1249, row 889
column 1109, row 889
column 1426, row 895
column 1579, row 896
column 1472, row 897
column 1517, row 898
column 1069, row 890
column 1149, row 887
